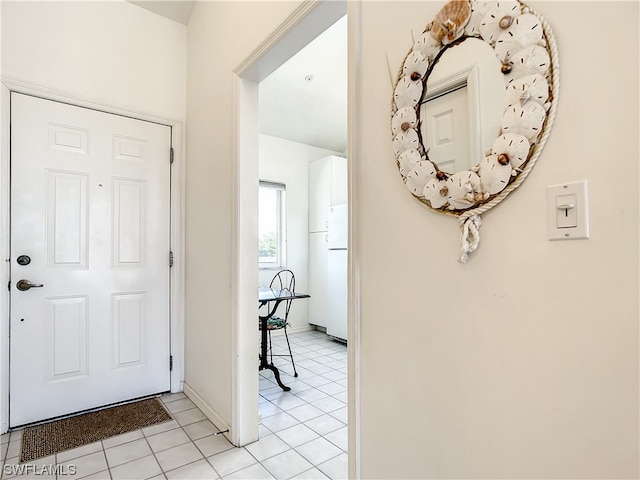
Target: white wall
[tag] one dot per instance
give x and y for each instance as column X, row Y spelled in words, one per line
column 287, row 162
column 221, row 35
column 111, row 55
column 110, row 52
column 522, row 363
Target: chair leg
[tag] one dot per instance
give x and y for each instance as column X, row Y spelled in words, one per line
column 270, row 347
column 295, row 373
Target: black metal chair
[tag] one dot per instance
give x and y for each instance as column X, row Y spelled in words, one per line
column 283, row 280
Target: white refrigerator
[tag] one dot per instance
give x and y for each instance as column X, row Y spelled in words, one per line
column 337, row 272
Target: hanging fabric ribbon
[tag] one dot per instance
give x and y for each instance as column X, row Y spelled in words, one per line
column 470, row 236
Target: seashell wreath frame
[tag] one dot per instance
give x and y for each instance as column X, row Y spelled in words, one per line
column 526, row 48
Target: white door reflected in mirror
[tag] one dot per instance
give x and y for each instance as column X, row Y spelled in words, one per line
column 447, row 136
column 463, row 106
column 512, row 60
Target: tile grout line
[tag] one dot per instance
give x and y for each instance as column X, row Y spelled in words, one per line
column 204, row 457
column 146, row 439
column 192, row 441
column 104, row 449
column 322, row 349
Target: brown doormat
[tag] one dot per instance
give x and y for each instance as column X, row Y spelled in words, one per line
column 53, row 437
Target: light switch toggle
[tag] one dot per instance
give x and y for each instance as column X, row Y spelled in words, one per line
column 566, row 213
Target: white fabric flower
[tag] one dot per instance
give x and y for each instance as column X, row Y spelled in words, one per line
column 525, row 31
column 463, row 190
column 494, row 177
column 427, row 45
column 490, row 26
column 407, row 93
column 404, row 119
column 524, row 119
column 515, row 146
column 405, row 141
column 479, row 9
column 531, row 60
column 415, row 64
column 418, row 177
column 408, row 160
column 530, row 88
column 436, row 192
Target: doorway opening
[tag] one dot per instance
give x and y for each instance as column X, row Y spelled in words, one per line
column 305, row 25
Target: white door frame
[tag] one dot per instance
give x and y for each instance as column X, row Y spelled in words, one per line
column 310, row 19
column 177, row 228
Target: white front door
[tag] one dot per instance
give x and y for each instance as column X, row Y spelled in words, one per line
column 90, row 225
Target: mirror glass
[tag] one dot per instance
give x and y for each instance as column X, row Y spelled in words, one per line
column 473, row 105
column 462, row 108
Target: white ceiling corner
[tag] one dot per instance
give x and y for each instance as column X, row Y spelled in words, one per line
column 176, row 10
column 292, row 106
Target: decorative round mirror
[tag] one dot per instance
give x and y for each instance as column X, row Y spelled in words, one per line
column 473, row 106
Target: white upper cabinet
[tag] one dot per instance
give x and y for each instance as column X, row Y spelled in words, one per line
column 327, row 186
column 338, row 180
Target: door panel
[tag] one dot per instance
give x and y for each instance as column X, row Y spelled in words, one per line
column 66, row 326
column 67, row 222
column 90, row 207
column 129, row 329
column 447, row 139
column 129, row 213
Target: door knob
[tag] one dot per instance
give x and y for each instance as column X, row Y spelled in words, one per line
column 26, row 285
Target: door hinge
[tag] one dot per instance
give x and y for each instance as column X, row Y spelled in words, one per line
column 170, row 362
column 9, row 285
column 171, row 155
column 170, row 259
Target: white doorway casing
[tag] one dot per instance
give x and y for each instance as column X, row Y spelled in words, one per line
column 176, row 229
column 306, row 22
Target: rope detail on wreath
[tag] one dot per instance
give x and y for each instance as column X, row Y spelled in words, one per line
column 537, row 149
column 468, row 194
column 470, row 236
column 470, row 215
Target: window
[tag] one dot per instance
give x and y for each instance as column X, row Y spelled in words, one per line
column 271, row 225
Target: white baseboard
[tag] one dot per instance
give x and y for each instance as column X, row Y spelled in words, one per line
column 210, row 413
column 305, row 328
column 294, row 329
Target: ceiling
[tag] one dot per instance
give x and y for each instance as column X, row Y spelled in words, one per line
column 176, row 10
column 305, row 100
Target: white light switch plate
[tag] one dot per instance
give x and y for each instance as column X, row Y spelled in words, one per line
column 568, row 211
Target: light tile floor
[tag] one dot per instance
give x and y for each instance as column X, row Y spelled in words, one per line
column 303, row 433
